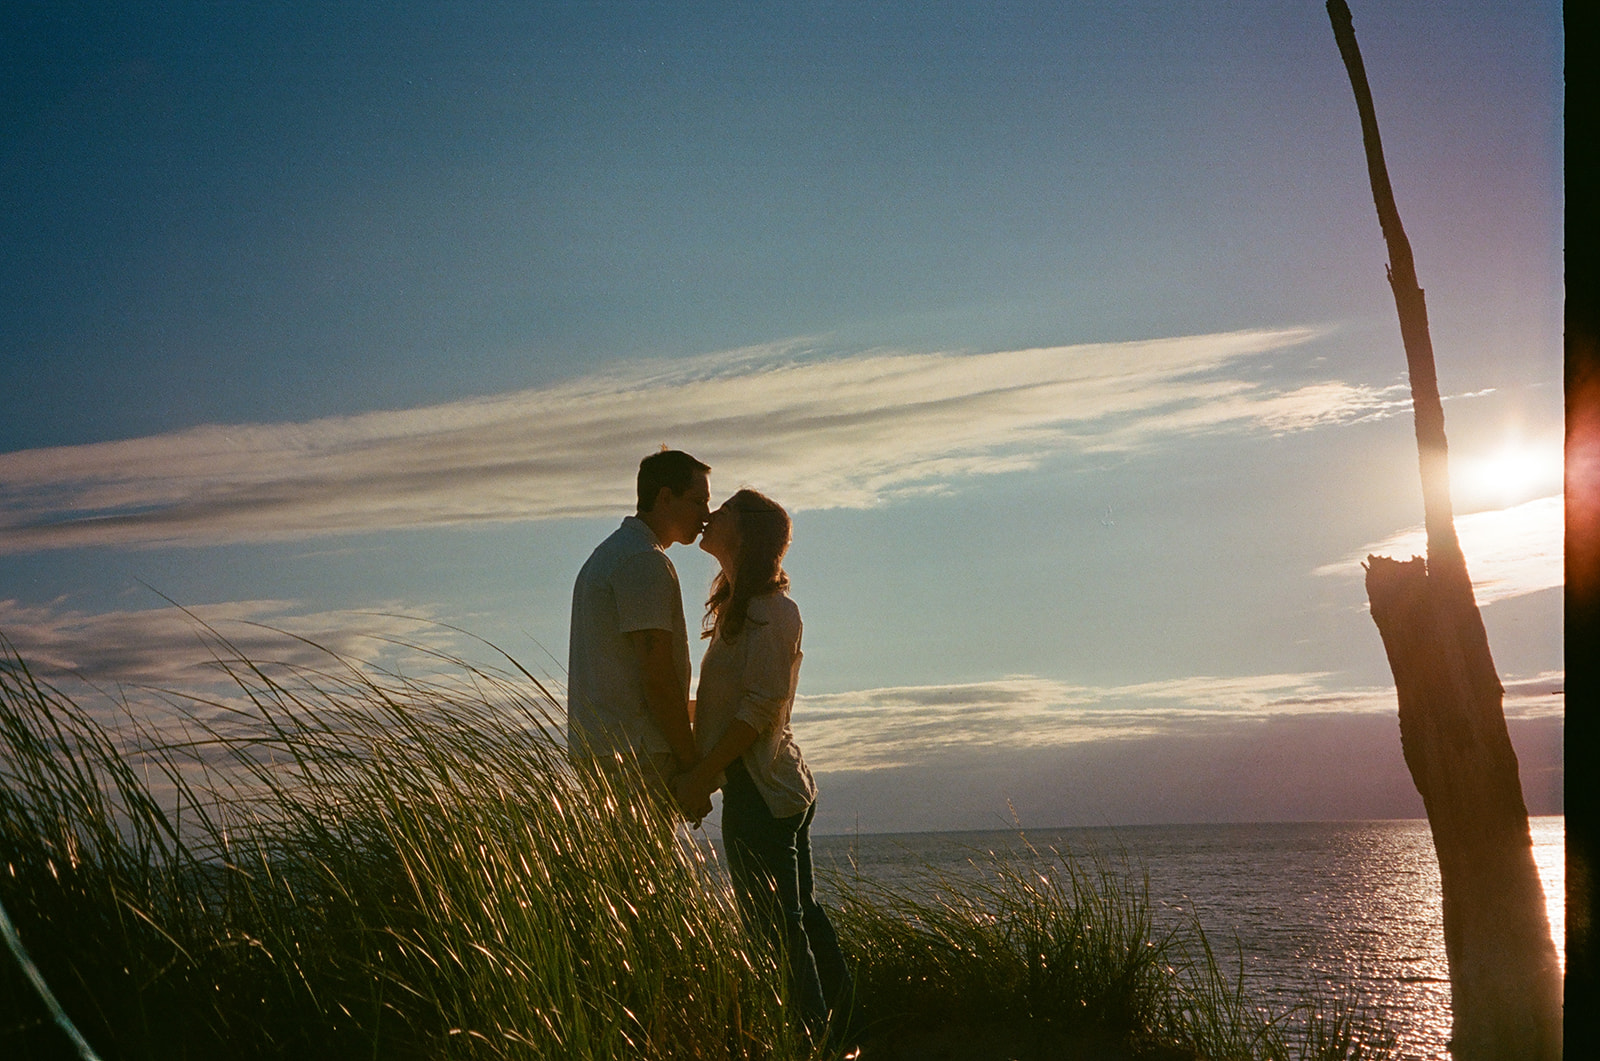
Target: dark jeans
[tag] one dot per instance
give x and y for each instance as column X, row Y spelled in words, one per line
column 770, row 861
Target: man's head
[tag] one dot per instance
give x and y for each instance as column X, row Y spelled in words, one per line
column 674, row 495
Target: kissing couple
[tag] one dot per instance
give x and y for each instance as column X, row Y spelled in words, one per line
column 628, row 698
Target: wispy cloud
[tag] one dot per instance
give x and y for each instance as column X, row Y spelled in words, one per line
column 179, row 648
column 1510, row 551
column 881, row 728
column 819, row 431
column 1541, row 696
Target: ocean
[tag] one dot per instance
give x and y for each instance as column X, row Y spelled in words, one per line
column 1349, row 909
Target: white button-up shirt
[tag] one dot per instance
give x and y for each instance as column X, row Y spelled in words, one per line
column 628, row 584
column 753, row 679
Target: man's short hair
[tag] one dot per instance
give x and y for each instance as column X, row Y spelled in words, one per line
column 671, row 468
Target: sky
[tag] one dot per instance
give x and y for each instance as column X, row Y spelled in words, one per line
column 1062, row 331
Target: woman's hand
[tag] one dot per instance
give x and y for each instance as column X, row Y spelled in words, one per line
column 693, row 793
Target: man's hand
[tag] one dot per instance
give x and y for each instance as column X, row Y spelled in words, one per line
column 693, row 796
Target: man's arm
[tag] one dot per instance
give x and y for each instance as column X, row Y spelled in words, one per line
column 663, row 692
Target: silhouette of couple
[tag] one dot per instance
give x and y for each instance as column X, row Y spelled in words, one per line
column 628, row 696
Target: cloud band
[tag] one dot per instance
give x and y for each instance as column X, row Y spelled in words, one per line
column 819, row 431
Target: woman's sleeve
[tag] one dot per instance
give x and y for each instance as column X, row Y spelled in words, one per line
column 768, row 682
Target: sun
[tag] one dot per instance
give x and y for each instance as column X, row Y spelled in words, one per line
column 1517, row 471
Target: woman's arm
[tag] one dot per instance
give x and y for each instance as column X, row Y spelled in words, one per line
column 767, row 683
column 740, row 735
column 693, row 789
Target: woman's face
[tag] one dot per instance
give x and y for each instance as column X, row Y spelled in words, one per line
column 721, row 536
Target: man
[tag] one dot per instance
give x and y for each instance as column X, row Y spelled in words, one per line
column 628, row 658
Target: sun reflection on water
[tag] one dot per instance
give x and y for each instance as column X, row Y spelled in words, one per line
column 1550, row 855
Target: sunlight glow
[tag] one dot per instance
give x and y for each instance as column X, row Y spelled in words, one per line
column 1518, row 471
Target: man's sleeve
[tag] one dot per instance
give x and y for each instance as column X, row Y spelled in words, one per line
column 646, row 591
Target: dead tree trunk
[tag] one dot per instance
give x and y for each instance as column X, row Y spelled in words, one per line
column 1505, row 982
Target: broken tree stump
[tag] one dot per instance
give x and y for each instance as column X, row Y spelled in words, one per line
column 1505, row 981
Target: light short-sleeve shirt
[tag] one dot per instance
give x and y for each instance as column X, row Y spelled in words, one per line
column 628, row 584
column 753, row 679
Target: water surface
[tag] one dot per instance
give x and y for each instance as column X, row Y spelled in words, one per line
column 1350, row 909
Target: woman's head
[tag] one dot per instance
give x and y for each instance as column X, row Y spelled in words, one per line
column 749, row 536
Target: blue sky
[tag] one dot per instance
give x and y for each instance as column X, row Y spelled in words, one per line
column 1062, row 329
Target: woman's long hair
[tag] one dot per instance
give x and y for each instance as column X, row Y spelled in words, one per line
column 764, row 530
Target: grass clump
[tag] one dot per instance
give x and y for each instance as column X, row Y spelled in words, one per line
column 1067, row 949
column 1052, row 956
column 340, row 862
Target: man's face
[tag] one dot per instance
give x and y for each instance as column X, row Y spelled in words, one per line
column 686, row 513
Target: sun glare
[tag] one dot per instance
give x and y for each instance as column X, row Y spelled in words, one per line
column 1516, row 472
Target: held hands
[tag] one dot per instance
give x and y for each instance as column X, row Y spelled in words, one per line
column 693, row 794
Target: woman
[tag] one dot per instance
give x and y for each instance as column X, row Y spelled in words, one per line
column 745, row 696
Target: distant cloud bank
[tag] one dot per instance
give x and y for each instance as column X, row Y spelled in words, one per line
column 820, row 431
column 865, row 730
column 894, row 727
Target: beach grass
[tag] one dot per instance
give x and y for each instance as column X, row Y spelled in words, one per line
column 343, row 862
column 1050, row 954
